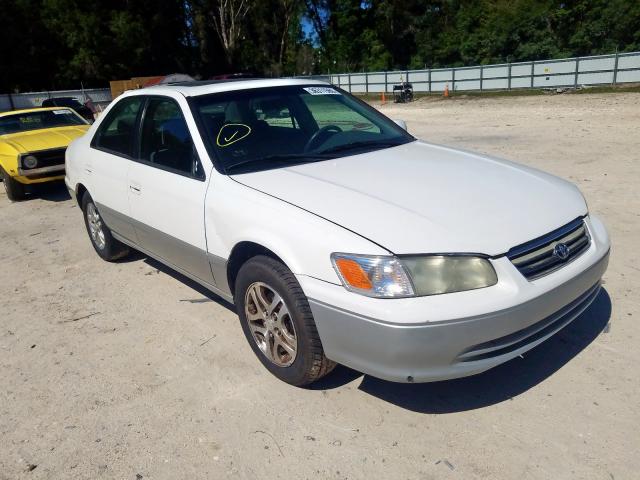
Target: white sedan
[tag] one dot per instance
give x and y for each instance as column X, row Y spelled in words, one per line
column 339, row 237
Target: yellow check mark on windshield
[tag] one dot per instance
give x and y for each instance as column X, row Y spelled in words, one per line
column 231, row 137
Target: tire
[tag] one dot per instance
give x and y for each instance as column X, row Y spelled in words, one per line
column 16, row 191
column 107, row 247
column 292, row 317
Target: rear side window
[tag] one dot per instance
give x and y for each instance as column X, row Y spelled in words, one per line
column 117, row 132
column 166, row 141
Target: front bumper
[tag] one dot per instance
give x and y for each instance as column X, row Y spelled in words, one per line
column 524, row 314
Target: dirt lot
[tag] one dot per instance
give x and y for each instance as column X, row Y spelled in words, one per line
column 128, row 371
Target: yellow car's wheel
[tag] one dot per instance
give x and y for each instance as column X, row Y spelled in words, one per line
column 15, row 190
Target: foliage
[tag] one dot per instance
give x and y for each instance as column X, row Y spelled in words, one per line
column 48, row 44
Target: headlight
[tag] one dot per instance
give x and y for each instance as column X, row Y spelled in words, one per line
column 29, row 161
column 389, row 277
column 436, row 274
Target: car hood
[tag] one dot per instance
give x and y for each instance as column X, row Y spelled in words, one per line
column 424, row 198
column 35, row 140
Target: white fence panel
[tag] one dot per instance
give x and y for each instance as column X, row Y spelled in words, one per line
column 468, row 74
column 629, row 76
column 596, row 78
column 497, row 71
column 441, row 75
column 591, row 64
column 629, row 61
column 466, row 84
column 495, row 84
column 551, row 67
column 554, row 81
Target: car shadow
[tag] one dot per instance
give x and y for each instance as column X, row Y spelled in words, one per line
column 51, row 192
column 494, row 386
column 207, row 296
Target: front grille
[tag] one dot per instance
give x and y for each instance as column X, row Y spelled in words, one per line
column 550, row 252
column 47, row 158
column 526, row 336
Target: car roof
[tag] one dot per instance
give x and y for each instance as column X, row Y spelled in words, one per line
column 29, row 110
column 195, row 88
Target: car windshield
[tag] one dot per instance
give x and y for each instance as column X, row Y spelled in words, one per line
column 265, row 128
column 23, row 122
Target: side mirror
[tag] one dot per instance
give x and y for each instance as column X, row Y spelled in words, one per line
column 401, row 123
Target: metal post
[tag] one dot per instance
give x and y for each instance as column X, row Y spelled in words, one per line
column 349, row 77
column 481, row 74
column 385, row 82
column 575, row 80
column 453, row 79
column 615, row 69
column 429, row 78
column 509, row 77
column 533, row 64
column 366, row 82
column 11, row 104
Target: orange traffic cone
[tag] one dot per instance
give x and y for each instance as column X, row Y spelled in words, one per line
column 382, row 99
column 446, row 90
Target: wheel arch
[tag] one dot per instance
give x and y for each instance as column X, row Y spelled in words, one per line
column 80, row 191
column 240, row 254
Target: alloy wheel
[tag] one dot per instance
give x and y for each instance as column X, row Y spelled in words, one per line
column 271, row 324
column 96, row 227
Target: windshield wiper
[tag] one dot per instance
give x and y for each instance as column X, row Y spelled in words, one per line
column 282, row 158
column 357, row 145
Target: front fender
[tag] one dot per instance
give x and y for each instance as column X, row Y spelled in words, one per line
column 8, row 159
column 304, row 241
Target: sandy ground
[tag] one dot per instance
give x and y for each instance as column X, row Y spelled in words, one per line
column 128, row 371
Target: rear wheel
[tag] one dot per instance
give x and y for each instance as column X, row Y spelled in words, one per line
column 16, row 191
column 102, row 240
column 277, row 321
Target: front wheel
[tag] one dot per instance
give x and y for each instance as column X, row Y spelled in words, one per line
column 16, row 191
column 277, row 321
column 103, row 242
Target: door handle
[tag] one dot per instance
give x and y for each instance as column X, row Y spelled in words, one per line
column 135, row 188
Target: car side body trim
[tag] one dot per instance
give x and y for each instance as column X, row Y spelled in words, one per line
column 189, row 258
column 117, row 222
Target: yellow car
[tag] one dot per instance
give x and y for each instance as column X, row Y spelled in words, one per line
column 32, row 146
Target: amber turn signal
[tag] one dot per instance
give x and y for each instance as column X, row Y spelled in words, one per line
column 353, row 274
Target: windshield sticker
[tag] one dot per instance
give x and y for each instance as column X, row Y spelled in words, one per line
column 232, row 133
column 322, row 91
column 62, row 112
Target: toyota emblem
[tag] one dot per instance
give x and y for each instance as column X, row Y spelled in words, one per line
column 561, row 251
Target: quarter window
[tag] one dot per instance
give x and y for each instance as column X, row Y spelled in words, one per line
column 166, row 141
column 117, row 131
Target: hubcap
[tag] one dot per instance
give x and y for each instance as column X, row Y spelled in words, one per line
column 271, row 324
column 95, row 226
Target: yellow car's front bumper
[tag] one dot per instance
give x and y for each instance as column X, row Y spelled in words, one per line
column 29, row 181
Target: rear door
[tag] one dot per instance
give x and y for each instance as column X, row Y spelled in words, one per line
column 106, row 171
column 167, row 188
